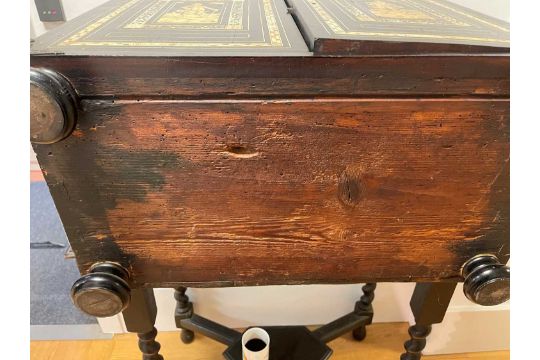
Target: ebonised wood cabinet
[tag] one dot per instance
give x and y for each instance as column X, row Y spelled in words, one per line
column 194, row 143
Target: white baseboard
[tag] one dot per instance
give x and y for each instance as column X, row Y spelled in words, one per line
column 471, row 329
column 67, row 332
column 112, row 325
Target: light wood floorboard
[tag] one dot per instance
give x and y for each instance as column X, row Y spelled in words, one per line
column 383, row 342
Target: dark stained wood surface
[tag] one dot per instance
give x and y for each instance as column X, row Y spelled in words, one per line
column 236, row 77
column 345, row 47
column 253, row 192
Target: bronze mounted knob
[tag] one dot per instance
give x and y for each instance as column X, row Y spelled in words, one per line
column 104, row 291
column 53, row 107
column 487, row 281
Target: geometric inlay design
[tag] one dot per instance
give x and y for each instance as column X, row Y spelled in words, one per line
column 400, row 20
column 264, row 27
column 184, row 24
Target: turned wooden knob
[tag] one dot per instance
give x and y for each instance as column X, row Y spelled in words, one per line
column 487, row 281
column 103, row 292
column 53, row 107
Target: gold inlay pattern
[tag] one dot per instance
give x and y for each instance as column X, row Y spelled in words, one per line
column 235, row 18
column 470, row 16
column 74, row 39
column 396, row 10
column 393, row 11
column 353, row 10
column 203, row 15
column 196, row 13
column 142, row 19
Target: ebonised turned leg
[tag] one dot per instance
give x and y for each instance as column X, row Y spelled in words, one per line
column 184, row 310
column 140, row 317
column 149, row 346
column 364, row 304
column 429, row 303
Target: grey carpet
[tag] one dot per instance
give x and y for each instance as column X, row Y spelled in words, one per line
column 51, row 276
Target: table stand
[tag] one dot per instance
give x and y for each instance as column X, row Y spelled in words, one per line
column 287, row 342
column 105, row 291
column 429, row 304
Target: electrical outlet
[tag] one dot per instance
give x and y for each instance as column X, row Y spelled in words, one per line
column 50, row 10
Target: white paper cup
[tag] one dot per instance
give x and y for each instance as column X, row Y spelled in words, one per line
column 254, row 349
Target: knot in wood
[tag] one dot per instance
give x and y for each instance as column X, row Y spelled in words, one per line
column 351, row 187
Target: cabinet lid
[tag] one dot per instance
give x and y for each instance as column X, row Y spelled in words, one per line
column 178, row 28
column 267, row 28
column 373, row 27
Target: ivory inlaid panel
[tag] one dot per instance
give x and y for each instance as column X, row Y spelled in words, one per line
column 433, row 21
column 179, row 27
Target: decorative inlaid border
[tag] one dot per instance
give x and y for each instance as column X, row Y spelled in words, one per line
column 273, row 38
column 74, row 39
column 144, row 19
column 331, row 21
column 432, row 19
column 438, row 3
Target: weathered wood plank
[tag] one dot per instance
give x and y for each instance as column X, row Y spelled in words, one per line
column 252, row 192
column 197, row 77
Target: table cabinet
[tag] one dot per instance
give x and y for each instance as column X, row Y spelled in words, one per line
column 255, row 142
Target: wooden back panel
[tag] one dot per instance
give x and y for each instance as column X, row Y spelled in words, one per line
column 225, row 143
column 253, row 192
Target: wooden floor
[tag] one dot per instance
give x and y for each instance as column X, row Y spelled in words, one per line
column 383, row 342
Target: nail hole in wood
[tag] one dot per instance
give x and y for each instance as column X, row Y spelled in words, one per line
column 240, row 151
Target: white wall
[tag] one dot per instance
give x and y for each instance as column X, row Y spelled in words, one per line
column 72, row 9
column 317, row 304
column 286, row 305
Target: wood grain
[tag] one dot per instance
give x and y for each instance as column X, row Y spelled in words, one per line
column 383, row 342
column 236, row 77
column 344, row 47
column 226, row 193
column 80, row 350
